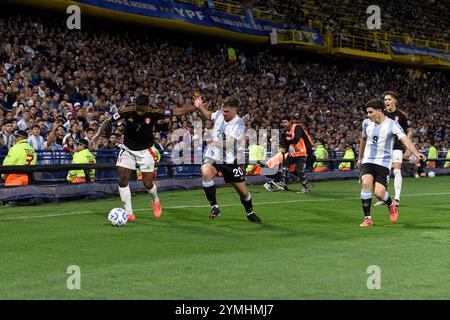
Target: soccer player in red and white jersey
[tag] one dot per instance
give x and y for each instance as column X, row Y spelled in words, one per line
column 136, row 150
column 393, row 112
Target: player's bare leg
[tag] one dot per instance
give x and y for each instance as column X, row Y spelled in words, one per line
column 246, row 200
column 123, row 177
column 208, row 174
column 148, row 179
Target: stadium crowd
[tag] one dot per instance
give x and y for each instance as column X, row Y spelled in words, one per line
column 423, row 20
column 61, row 85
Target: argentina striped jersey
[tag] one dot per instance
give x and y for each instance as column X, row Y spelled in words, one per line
column 380, row 141
column 221, row 132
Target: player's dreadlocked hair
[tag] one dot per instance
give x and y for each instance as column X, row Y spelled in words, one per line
column 142, row 100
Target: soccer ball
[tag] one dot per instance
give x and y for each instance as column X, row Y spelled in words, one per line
column 431, row 174
column 118, row 217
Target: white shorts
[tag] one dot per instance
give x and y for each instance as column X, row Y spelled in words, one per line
column 130, row 159
column 397, row 156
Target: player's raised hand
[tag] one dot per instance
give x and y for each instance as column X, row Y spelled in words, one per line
column 198, row 102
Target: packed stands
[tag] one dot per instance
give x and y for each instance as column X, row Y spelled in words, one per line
column 75, row 80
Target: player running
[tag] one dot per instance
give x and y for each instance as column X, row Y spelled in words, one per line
column 220, row 155
column 136, row 150
column 375, row 155
column 394, row 113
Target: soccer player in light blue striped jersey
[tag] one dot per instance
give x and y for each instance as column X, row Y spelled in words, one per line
column 375, row 158
column 221, row 155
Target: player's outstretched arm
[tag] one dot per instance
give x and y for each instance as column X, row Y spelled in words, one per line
column 412, row 148
column 108, row 122
column 128, row 108
column 102, row 128
column 198, row 104
column 182, row 110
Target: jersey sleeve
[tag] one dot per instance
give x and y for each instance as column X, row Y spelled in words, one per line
column 365, row 124
column 238, row 129
column 216, row 115
column 398, row 130
column 155, row 116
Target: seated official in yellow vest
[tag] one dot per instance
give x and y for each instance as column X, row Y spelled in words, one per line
column 20, row 154
column 256, row 153
column 447, row 163
column 82, row 156
column 321, row 154
column 349, row 154
column 432, row 154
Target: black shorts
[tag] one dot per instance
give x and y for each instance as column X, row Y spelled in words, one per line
column 231, row 172
column 300, row 162
column 379, row 173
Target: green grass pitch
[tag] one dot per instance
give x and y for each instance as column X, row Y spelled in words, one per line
column 308, row 247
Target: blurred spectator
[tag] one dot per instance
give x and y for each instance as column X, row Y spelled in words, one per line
column 6, row 136
column 35, row 140
column 24, row 123
column 66, row 83
column 69, row 146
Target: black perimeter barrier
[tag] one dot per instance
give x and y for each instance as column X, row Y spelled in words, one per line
column 54, row 192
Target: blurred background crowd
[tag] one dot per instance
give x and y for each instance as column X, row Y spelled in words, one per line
column 62, row 85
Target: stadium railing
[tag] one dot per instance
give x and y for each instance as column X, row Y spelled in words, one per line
column 235, row 8
column 297, row 37
column 401, row 38
column 361, row 43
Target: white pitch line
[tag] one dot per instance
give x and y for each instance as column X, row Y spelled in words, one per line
column 47, row 215
column 292, row 201
column 224, row 205
column 238, row 205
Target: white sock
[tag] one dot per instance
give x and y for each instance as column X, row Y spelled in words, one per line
column 153, row 192
column 398, row 183
column 125, row 196
column 248, row 197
